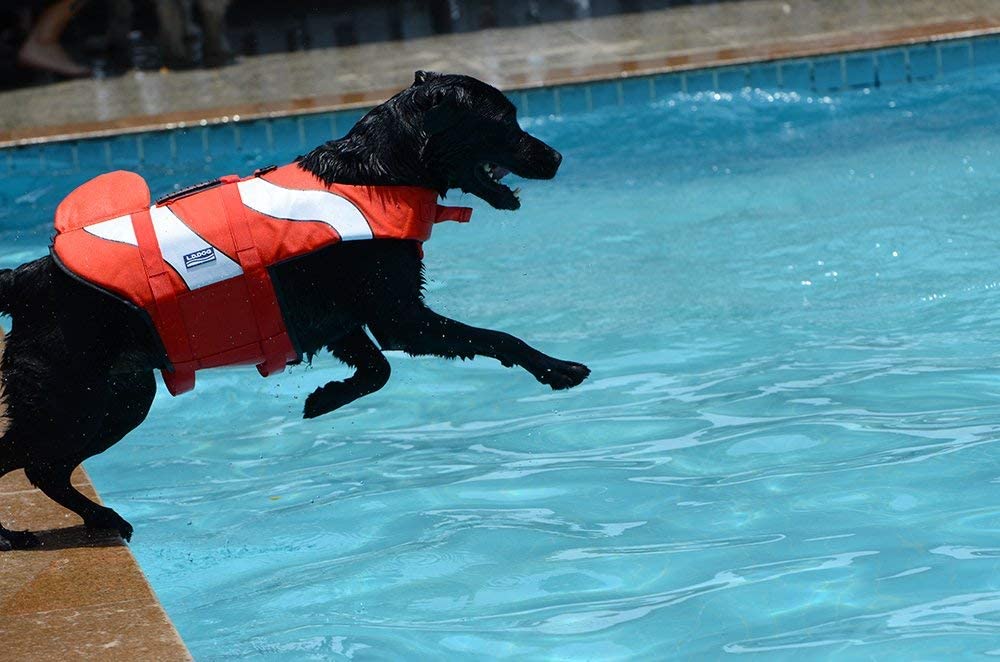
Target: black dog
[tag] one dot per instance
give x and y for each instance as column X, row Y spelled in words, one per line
column 77, row 370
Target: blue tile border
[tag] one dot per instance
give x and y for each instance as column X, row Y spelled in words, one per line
column 94, row 152
column 285, row 137
column 923, row 62
column 153, row 145
column 891, row 66
column 985, row 51
column 252, row 137
column 763, row 75
column 605, row 93
column 540, row 102
column 699, row 81
column 638, row 90
column 59, row 157
column 860, row 70
column 955, row 56
column 821, row 75
column 317, row 129
column 828, row 74
column 732, row 78
column 795, row 75
column 574, row 99
column 667, row 84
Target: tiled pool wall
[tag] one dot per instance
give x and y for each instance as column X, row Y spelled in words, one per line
column 281, row 139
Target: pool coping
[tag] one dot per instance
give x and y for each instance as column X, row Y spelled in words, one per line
column 78, row 595
column 681, row 61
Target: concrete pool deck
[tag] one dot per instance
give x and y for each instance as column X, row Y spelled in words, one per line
column 680, row 38
column 83, row 597
column 77, row 596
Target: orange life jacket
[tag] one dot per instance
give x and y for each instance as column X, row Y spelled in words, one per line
column 197, row 261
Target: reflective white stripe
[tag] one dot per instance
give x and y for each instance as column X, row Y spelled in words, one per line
column 294, row 205
column 117, row 229
column 178, row 241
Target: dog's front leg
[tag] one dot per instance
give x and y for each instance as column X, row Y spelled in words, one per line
column 371, row 373
column 419, row 330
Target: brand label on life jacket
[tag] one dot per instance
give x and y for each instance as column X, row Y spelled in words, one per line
column 199, row 257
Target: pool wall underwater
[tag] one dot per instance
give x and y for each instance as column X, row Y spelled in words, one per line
column 284, row 138
column 200, row 150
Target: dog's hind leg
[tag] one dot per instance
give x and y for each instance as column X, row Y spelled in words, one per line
column 54, row 481
column 128, row 402
column 14, row 539
column 372, row 372
column 9, row 539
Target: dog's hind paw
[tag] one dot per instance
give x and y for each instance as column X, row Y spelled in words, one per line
column 17, row 540
column 561, row 374
column 109, row 519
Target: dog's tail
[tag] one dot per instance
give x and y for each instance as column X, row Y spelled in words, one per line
column 6, row 291
column 7, row 299
column 4, row 419
column 6, row 281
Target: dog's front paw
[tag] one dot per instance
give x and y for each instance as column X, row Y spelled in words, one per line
column 561, row 374
column 110, row 520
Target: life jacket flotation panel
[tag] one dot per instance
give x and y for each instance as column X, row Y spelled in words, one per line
column 197, row 261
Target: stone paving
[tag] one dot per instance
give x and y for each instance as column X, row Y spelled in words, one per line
column 77, row 596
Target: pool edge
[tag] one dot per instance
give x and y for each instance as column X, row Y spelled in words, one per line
column 681, row 61
column 77, row 594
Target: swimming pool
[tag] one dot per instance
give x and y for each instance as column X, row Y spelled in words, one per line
column 788, row 301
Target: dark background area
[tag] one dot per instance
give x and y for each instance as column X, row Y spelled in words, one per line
column 257, row 27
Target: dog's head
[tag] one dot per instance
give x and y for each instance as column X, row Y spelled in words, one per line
column 445, row 131
column 473, row 139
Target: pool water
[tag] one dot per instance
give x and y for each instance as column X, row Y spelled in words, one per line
column 788, row 445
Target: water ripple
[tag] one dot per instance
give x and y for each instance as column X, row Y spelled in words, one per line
column 974, row 614
column 678, row 547
column 787, row 441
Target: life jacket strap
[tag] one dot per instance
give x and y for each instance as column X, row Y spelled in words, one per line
column 275, row 344
column 458, row 214
column 179, row 378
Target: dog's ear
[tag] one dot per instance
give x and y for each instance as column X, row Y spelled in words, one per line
column 443, row 111
column 421, row 77
column 440, row 116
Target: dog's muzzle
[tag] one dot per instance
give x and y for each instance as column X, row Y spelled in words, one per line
column 536, row 160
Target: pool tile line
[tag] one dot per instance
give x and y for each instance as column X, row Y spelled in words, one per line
column 820, row 75
column 804, row 42
column 286, row 137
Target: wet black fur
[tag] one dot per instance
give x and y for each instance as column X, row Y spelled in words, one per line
column 78, row 368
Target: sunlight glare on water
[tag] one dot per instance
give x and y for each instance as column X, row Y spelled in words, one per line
column 789, row 304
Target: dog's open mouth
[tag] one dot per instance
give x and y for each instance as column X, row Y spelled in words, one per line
column 486, row 185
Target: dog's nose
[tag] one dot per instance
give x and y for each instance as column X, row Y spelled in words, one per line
column 557, row 156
